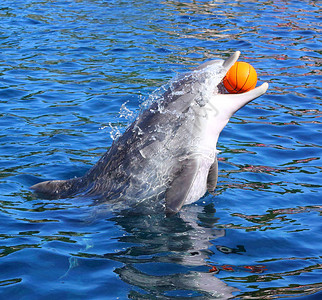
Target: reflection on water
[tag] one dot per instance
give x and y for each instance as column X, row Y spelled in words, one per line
column 170, row 256
column 184, row 256
column 190, row 255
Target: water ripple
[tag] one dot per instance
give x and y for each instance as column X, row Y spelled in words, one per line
column 67, row 67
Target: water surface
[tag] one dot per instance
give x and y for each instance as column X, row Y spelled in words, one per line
column 66, row 69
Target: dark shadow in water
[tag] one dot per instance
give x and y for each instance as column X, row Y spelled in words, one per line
column 167, row 257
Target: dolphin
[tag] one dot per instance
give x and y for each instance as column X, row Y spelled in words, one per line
column 167, row 157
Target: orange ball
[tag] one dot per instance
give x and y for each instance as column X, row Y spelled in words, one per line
column 240, row 78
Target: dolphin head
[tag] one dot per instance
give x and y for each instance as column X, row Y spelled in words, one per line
column 233, row 102
column 219, row 105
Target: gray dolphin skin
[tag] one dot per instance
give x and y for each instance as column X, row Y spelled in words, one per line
column 167, row 157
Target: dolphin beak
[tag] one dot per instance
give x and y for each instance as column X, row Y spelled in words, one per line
column 230, row 103
column 228, row 63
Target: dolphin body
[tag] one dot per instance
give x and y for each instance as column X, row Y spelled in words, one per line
column 167, row 156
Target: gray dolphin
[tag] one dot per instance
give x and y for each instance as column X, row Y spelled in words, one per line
column 167, row 156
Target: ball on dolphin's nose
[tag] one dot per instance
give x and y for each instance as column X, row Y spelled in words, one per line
column 240, row 78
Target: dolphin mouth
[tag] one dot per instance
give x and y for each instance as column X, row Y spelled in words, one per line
column 254, row 93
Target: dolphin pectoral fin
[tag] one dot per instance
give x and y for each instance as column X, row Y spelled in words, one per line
column 212, row 177
column 177, row 193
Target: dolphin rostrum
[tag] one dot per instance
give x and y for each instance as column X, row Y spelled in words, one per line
column 167, row 156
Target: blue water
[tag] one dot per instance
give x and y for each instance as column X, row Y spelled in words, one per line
column 66, row 68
